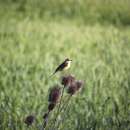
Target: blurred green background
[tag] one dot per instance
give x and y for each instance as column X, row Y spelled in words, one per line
column 36, row 35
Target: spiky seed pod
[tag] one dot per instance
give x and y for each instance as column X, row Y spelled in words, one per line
column 72, row 89
column 67, row 80
column 54, row 94
column 29, row 120
column 51, row 106
column 45, row 116
column 79, row 84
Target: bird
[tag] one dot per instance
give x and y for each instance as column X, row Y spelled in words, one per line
column 63, row 66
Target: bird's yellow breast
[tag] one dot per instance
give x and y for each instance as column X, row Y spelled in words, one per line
column 68, row 65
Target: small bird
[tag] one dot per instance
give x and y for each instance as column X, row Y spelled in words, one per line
column 63, row 66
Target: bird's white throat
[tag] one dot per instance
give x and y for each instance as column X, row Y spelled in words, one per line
column 68, row 65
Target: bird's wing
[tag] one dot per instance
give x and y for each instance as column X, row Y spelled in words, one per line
column 61, row 67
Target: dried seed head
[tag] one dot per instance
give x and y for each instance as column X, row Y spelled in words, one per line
column 79, row 84
column 72, row 89
column 45, row 116
column 67, row 80
column 51, row 106
column 29, row 120
column 54, row 94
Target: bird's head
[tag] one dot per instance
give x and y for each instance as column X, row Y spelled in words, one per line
column 68, row 60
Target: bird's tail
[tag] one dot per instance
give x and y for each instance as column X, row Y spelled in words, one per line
column 52, row 74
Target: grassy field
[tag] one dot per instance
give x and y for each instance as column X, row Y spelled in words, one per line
column 32, row 44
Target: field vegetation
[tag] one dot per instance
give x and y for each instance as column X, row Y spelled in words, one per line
column 36, row 35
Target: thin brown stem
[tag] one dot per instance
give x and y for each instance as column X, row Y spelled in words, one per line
column 58, row 110
column 65, row 109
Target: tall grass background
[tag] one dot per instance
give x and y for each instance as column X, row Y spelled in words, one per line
column 87, row 11
column 35, row 36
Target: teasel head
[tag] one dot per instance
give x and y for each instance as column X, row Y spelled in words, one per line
column 67, row 80
column 45, row 117
column 79, row 84
column 29, row 120
column 75, row 86
column 51, row 106
column 54, row 94
column 72, row 89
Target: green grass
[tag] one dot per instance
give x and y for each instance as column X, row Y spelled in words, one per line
column 30, row 51
column 86, row 11
column 31, row 48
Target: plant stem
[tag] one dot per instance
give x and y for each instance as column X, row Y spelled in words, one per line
column 45, row 121
column 67, row 101
column 65, row 109
column 58, row 110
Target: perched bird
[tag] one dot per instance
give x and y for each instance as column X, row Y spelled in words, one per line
column 63, row 66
